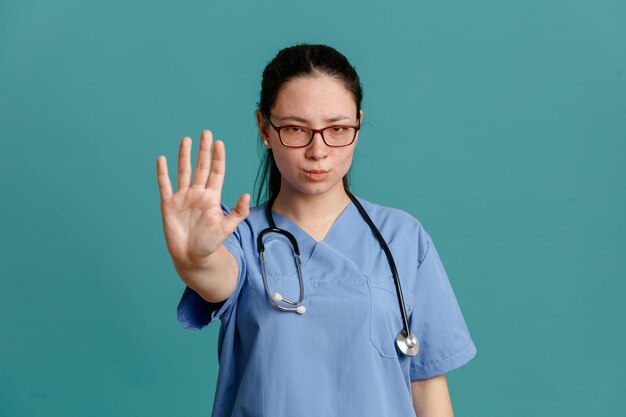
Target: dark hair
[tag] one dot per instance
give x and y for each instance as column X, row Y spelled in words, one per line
column 289, row 63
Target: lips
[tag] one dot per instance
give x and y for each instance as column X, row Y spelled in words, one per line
column 316, row 174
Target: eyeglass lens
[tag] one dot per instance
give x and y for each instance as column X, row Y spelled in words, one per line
column 333, row 135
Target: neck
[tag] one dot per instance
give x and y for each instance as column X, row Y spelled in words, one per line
column 308, row 209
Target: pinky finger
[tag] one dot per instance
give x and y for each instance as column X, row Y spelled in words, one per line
column 163, row 179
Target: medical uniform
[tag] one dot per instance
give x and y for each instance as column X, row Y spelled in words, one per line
column 340, row 358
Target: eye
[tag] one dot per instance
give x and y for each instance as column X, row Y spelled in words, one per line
column 338, row 129
column 294, row 129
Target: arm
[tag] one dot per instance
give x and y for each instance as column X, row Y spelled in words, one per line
column 214, row 279
column 431, row 397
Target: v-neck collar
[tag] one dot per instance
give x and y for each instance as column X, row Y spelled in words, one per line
column 285, row 222
column 338, row 239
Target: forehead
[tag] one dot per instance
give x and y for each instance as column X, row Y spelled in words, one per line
column 316, row 96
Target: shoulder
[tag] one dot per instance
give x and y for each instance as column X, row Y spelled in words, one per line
column 384, row 214
column 398, row 225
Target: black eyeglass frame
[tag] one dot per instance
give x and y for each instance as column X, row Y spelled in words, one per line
column 313, row 132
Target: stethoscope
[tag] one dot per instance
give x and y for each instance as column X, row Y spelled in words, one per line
column 405, row 340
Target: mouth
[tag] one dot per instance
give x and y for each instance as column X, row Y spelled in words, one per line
column 315, row 174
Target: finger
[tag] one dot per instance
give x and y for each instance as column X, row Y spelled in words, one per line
column 218, row 167
column 184, row 163
column 239, row 213
column 163, row 179
column 204, row 160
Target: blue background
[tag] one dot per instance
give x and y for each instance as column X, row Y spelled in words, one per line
column 500, row 125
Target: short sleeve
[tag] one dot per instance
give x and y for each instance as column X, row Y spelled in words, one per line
column 193, row 311
column 436, row 320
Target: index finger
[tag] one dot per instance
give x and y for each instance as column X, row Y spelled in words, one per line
column 163, row 179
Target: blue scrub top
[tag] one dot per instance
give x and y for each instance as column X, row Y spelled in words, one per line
column 340, row 357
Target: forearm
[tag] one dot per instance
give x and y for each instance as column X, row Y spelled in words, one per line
column 213, row 278
column 431, row 397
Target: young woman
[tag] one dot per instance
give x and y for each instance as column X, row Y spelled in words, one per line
column 330, row 305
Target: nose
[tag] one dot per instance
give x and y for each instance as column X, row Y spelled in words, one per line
column 317, row 149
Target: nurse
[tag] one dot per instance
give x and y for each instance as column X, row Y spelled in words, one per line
column 340, row 357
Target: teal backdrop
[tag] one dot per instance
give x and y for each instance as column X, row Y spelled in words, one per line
column 500, row 125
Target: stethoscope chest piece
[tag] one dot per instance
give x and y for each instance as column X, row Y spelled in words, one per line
column 407, row 344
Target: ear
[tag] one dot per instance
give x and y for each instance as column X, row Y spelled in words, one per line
column 360, row 123
column 264, row 129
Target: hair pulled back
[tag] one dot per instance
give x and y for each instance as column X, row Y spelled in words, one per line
column 292, row 62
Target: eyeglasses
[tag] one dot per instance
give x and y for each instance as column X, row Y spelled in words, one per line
column 294, row 136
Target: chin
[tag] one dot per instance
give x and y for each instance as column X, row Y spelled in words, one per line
column 320, row 188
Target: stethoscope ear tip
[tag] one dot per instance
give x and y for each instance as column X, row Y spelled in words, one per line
column 300, row 310
column 277, row 297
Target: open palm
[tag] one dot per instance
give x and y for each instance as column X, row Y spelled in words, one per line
column 193, row 221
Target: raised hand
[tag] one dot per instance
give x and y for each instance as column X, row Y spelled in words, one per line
column 193, row 221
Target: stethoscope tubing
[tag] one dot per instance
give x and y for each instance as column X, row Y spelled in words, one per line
column 392, row 263
column 296, row 249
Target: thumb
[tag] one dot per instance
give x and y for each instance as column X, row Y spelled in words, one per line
column 237, row 215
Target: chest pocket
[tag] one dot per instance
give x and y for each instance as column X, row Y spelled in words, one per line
column 386, row 320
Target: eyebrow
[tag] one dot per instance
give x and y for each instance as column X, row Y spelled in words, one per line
column 302, row 120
